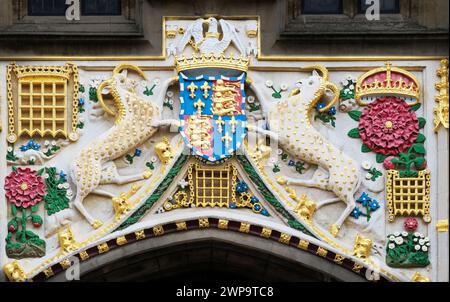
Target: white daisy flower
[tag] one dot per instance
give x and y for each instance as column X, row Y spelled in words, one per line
column 346, row 90
column 171, row 102
column 10, row 149
column 366, row 165
column 368, row 176
column 421, row 242
column 95, row 82
column 391, row 246
column 156, row 81
column 183, row 183
column 417, row 247
column 46, row 176
column 352, row 87
column 424, row 248
column 427, row 244
column 396, row 234
column 269, row 83
column 250, row 99
column 415, row 239
column 344, row 82
column 153, row 159
column 32, row 158
column 416, row 234
column 392, row 238
column 349, row 77
column 422, row 236
column 81, row 119
column 426, row 239
column 60, row 186
column 69, row 193
column 279, row 151
column 53, row 143
column 169, row 93
column 284, row 87
column 399, row 240
column 66, row 185
column 404, row 233
column 143, row 84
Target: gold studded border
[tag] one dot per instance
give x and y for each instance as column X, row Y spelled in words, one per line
column 202, row 223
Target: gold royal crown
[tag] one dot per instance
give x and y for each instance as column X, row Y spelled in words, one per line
column 387, row 80
column 211, row 61
column 37, row 71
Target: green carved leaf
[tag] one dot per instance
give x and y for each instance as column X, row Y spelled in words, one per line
column 422, row 122
column 13, row 209
column 354, row 133
column 416, row 107
column 365, row 148
column 355, row 115
column 418, row 162
column 380, row 158
column 419, row 148
column 420, row 138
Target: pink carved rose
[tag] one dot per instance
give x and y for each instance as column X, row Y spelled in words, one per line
column 388, row 126
column 387, row 163
column 24, row 187
column 411, row 224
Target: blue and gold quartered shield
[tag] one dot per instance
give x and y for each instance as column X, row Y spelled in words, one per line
column 212, row 115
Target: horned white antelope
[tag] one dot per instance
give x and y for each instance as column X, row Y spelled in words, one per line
column 136, row 121
column 289, row 121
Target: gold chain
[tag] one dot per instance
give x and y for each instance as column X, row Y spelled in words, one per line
column 11, row 136
column 75, row 97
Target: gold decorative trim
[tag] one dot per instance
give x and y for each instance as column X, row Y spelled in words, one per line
column 66, row 263
column 418, row 277
column 140, row 234
column 302, row 244
column 244, row 227
column 441, row 110
column 121, row 240
column 339, row 259
column 321, row 252
column 408, row 195
column 103, row 248
column 223, row 224
column 48, row 272
column 285, row 238
column 203, row 223
column 265, row 232
column 67, row 241
column 14, row 272
column 84, row 255
column 442, row 225
column 362, row 247
column 357, row 267
column 158, row 230
column 181, row 226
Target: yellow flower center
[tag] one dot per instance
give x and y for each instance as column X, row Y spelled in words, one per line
column 23, row 186
column 388, row 124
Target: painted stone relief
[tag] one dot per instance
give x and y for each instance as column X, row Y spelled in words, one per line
column 338, row 153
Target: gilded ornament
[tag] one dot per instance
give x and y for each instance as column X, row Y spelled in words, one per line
column 139, row 235
column 441, row 109
column 65, row 264
column 223, row 224
column 164, row 150
column 285, row 238
column 84, row 255
column 442, row 225
column 357, row 267
column 181, row 226
column 244, row 227
column 321, row 252
column 265, row 232
column 418, row 277
column 339, row 259
column 103, row 248
column 303, row 244
column 158, row 230
column 48, row 272
column 67, row 241
column 305, row 207
column 203, row 223
column 362, row 247
column 121, row 240
column 14, row 272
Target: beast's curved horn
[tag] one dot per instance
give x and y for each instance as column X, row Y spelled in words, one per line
column 100, row 88
column 333, row 88
column 121, row 67
column 320, row 68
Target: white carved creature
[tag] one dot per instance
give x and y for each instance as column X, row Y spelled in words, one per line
column 136, row 121
column 210, row 43
column 290, row 123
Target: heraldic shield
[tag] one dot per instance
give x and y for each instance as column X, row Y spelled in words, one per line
column 212, row 115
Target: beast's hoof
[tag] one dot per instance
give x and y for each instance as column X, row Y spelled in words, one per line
column 334, row 230
column 96, row 224
column 147, row 174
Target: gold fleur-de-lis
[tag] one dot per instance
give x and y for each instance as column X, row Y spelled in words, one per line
column 219, row 124
column 233, row 124
column 205, row 87
column 192, row 88
column 199, row 105
column 227, row 139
